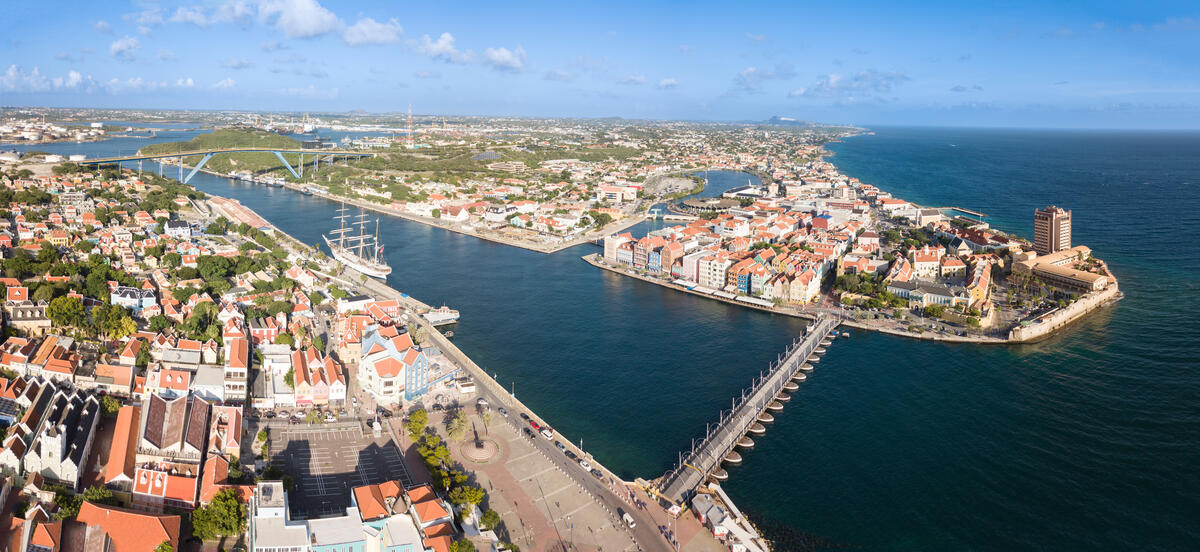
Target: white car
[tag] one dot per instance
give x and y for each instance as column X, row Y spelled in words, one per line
column 547, row 433
column 585, row 465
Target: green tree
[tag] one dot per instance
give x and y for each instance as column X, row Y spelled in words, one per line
column 290, row 378
column 313, row 417
column 66, row 311
column 457, row 428
column 143, row 357
column 466, row 494
column 159, row 323
column 224, row 516
column 490, row 519
column 285, row 339
column 462, row 545
column 416, row 423
column 318, row 343
column 172, row 259
column 44, row 292
column 110, row 406
column 164, row 546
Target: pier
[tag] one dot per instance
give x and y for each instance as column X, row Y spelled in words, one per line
column 748, row 414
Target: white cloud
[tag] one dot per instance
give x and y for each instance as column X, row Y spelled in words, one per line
column 272, row 46
column 667, row 83
column 299, row 18
column 72, row 80
column 633, row 79
column 103, row 26
column 148, row 16
column 124, row 48
column 185, row 83
column 63, row 56
column 238, row 64
column 17, row 80
column 186, row 14
column 442, row 49
column 225, row 83
column 370, row 31
column 132, row 84
column 144, row 30
column 501, row 59
column 166, row 55
column 311, row 92
column 230, row 11
column 751, row 78
column 558, row 75
column 865, row 83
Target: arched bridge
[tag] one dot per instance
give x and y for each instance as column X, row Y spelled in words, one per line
column 209, row 153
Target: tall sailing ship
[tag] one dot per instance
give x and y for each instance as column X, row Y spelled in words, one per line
column 354, row 247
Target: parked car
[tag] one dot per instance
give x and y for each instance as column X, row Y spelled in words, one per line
column 524, row 416
column 547, row 433
column 284, row 413
column 570, row 454
column 502, row 411
column 585, row 465
column 597, row 473
column 561, row 447
column 529, row 433
column 329, row 417
column 534, row 425
column 628, row 519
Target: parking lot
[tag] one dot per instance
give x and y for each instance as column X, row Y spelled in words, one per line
column 327, row 461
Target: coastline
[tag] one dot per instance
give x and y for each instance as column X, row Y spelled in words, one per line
column 496, row 390
column 1086, row 305
column 614, row 227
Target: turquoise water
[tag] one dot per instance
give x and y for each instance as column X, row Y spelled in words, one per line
column 1089, row 440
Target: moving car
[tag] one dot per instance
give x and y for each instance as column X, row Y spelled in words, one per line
column 628, row 519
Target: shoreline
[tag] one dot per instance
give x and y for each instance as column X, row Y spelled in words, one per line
column 614, row 227
column 1089, row 305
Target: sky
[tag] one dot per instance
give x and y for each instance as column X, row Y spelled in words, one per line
column 1031, row 64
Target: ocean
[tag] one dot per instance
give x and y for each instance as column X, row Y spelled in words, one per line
column 1088, row 440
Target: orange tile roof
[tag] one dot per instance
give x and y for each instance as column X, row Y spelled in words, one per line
column 130, row 531
column 124, row 444
column 372, row 499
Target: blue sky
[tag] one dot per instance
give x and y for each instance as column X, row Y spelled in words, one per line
column 1099, row 65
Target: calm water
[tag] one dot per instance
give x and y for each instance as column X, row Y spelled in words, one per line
column 1090, row 440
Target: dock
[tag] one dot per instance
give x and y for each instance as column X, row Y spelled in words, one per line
column 746, row 416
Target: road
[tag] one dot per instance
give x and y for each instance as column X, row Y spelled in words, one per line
column 645, row 532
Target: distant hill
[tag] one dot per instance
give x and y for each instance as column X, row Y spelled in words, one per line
column 789, row 121
column 231, row 138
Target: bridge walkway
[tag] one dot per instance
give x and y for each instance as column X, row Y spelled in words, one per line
column 706, row 455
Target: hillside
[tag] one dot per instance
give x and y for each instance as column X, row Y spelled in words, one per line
column 257, row 163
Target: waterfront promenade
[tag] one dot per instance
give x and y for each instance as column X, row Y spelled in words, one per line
column 1028, row 334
